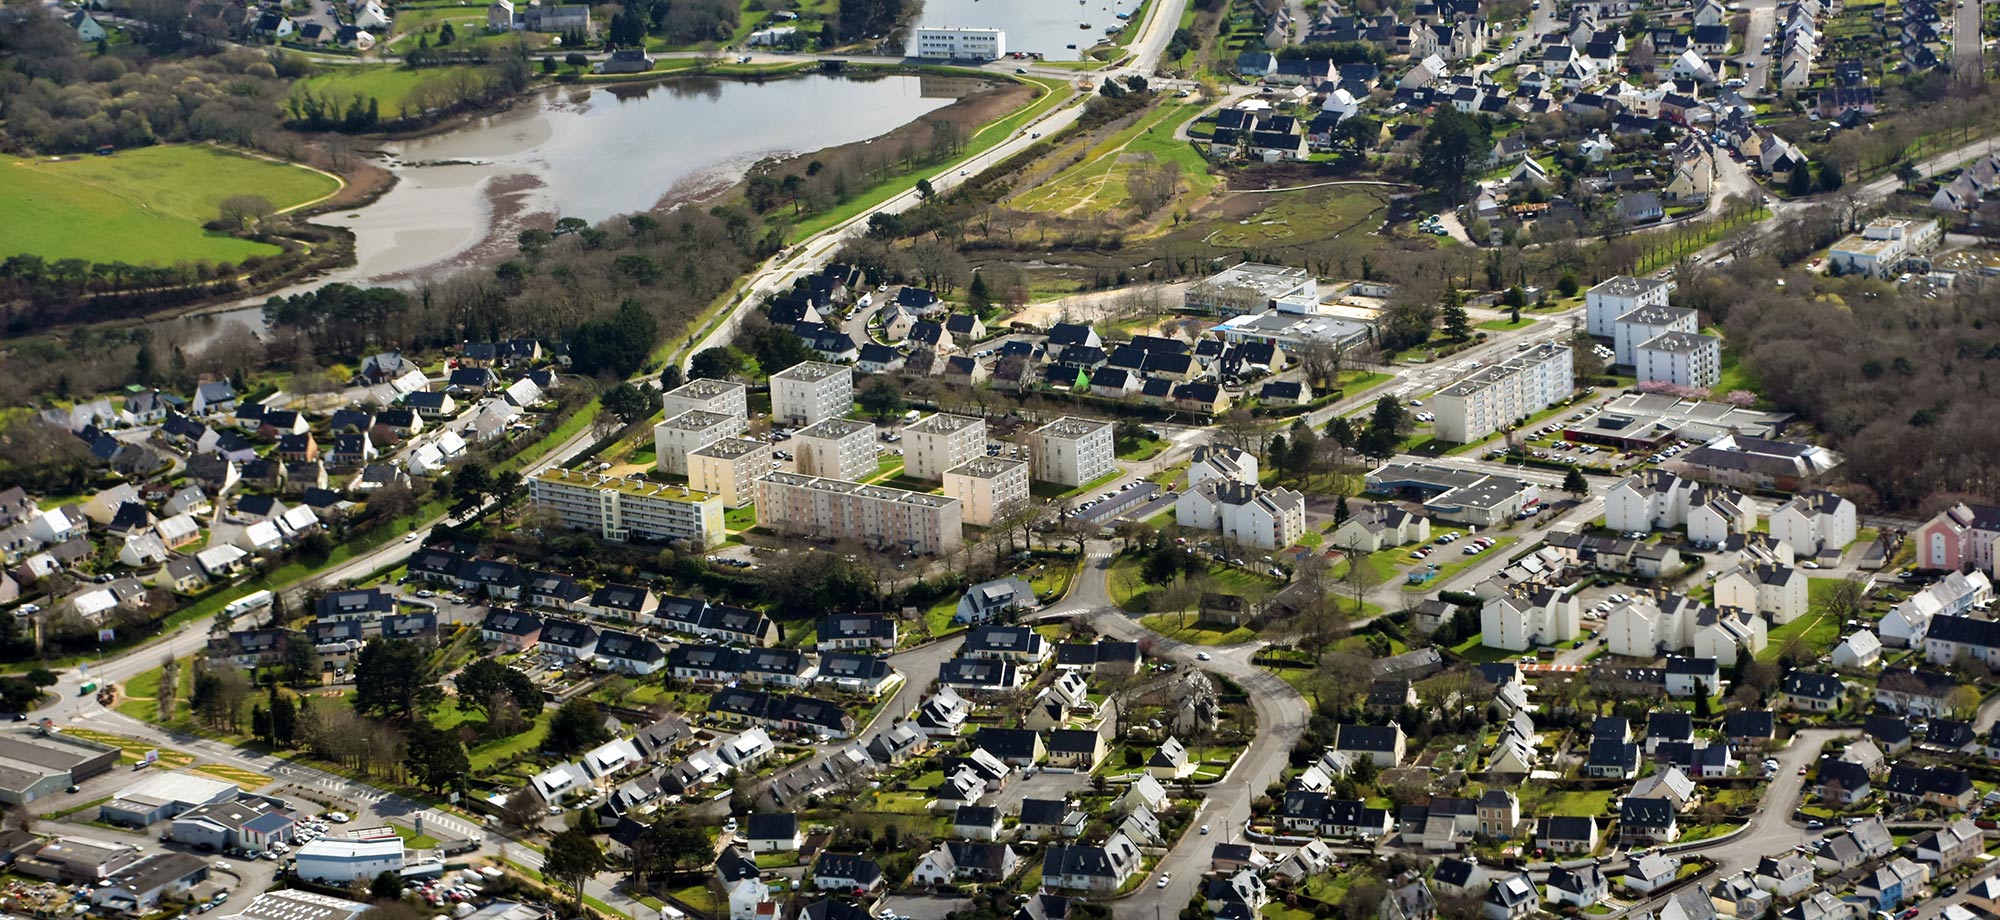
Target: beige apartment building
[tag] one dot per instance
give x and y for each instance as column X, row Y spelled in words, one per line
column 730, row 468
column 689, row 431
column 989, row 488
column 939, row 442
column 627, row 509
column 1493, row 397
column 811, row 391
column 1071, row 451
column 836, row 448
column 879, row 516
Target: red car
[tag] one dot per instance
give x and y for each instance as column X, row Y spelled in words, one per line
column 1909, row 913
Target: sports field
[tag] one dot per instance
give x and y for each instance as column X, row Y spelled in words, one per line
column 143, row 206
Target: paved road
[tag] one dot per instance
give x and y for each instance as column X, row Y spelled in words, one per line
column 1967, row 43
column 1225, row 808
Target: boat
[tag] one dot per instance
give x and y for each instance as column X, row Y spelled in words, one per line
column 1070, row 47
column 1084, row 25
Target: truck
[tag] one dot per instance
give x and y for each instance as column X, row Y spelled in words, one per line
column 256, row 600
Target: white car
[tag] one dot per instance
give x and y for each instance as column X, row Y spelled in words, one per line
column 1201, row 656
column 338, row 817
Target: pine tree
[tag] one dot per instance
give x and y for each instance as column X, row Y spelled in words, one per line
column 1457, row 326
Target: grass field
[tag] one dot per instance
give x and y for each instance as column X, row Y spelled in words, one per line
column 389, row 86
column 1169, row 625
column 144, row 206
column 1309, row 216
column 1097, row 184
column 246, row 780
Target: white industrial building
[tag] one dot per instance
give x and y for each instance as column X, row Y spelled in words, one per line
column 164, row 795
column 958, row 44
column 341, row 861
column 940, row 442
column 1882, row 245
column 1251, row 287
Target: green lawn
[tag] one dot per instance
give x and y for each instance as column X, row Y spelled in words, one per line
column 742, row 518
column 1817, row 631
column 494, row 753
column 1130, row 591
column 1471, row 650
column 144, row 206
column 1144, row 450
column 1170, row 625
column 1097, row 183
column 389, row 86
column 1503, row 325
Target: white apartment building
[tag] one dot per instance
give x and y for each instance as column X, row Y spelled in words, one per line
column 1815, row 522
column 721, row 397
column 730, row 468
column 1245, row 515
column 957, row 44
column 989, row 488
column 811, row 391
column 1518, row 623
column 836, row 448
column 625, row 509
column 1646, row 324
column 1648, row 500
column 1071, row 451
column 882, row 517
column 1222, row 461
column 1882, row 245
column 687, row 432
column 1777, row 591
column 1615, row 297
column 1496, row 396
column 939, row 442
column 1684, row 359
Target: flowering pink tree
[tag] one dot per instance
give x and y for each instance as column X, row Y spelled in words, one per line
column 1740, row 398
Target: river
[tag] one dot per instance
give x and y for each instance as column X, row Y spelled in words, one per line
column 1043, row 26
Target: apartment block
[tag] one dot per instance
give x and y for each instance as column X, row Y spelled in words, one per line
column 1684, row 359
column 1071, row 451
column 940, row 442
column 836, row 448
column 730, row 468
column 1645, row 324
column 689, row 431
column 628, row 509
column 721, row 397
column 1615, row 297
column 1882, row 246
column 882, row 517
column 811, row 391
column 1494, row 397
column 989, row 488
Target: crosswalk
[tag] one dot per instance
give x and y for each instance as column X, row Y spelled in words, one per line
column 443, row 826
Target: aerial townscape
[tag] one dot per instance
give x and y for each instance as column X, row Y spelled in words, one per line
column 958, row 460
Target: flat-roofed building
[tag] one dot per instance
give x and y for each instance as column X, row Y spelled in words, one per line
column 626, row 509
column 1881, row 246
column 958, row 43
column 1250, row 287
column 164, row 795
column 730, row 468
column 689, row 431
column 837, row 448
column 1617, row 296
column 77, row 859
column 291, row 904
column 1289, row 331
column 341, row 861
column 1493, row 397
column 1646, row 323
column 879, row 516
column 1651, row 420
column 1462, row 496
column 1682, row 359
column 1071, row 451
column 243, row 823
column 33, row 766
column 721, row 397
column 810, row 391
column 989, row 488
column 936, row 443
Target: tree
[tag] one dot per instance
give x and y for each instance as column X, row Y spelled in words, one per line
column 1799, row 184
column 387, row 886
column 1908, row 174
column 239, row 212
column 1457, row 326
column 301, row 663
column 170, row 686
column 671, row 378
column 577, row 61
column 471, row 483
column 436, row 758
column 392, row 677
column 881, row 398
column 1567, row 285
column 714, row 363
column 1450, row 151
column 924, row 189
column 485, row 680
column 577, row 726
column 284, row 719
column 522, row 809
column 628, row 402
column 572, row 858
column 1575, row 484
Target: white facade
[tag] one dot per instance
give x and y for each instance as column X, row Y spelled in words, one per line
column 676, row 437
column 958, row 44
column 343, row 861
column 730, row 468
column 1714, row 515
column 721, row 397
column 1221, row 461
column 811, row 391
column 1640, row 629
column 989, row 488
column 622, row 509
column 1245, row 515
column 1494, row 397
column 1683, row 359
column 940, row 442
column 1071, row 451
column 1647, row 501
column 1882, row 245
column 1615, row 297
column 1520, row 623
column 1645, row 324
column 1815, row 522
column 879, row 516
column 837, row 448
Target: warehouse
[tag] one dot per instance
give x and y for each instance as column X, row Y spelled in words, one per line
column 242, row 824
column 164, row 796
column 138, row 889
column 343, row 861
column 34, row 765
column 299, row 905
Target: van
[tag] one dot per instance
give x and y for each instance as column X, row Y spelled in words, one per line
column 912, row 416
